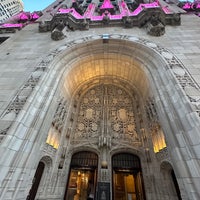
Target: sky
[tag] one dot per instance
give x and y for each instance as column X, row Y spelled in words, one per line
column 35, row 5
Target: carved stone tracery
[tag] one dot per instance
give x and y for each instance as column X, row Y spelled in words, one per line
column 156, row 132
column 106, row 114
column 178, row 69
column 60, row 115
column 57, row 125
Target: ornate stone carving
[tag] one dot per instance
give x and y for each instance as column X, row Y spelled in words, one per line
column 155, row 30
column 2, row 133
column 155, row 25
column 49, row 150
column 19, row 100
column 162, row 154
column 60, row 115
column 115, row 14
column 104, row 141
column 174, row 20
column 105, row 175
column 106, row 18
column 128, row 22
column 180, row 72
column 57, row 32
column 151, row 112
column 182, row 75
column 43, row 27
column 106, row 113
column 62, row 159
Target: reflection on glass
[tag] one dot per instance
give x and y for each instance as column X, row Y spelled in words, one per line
column 127, row 186
column 81, row 184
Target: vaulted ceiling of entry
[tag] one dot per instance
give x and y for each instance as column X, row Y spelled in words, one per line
column 117, row 65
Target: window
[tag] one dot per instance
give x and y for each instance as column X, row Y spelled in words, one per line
column 3, row 39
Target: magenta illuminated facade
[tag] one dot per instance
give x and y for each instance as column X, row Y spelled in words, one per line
column 154, row 16
column 19, row 21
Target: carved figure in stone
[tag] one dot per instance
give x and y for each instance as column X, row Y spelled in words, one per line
column 60, row 115
column 155, row 26
column 56, row 34
column 128, row 22
column 85, row 25
column 106, row 18
column 77, row 7
column 43, row 27
column 176, row 19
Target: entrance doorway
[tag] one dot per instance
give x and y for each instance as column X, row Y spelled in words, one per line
column 172, row 190
column 176, row 185
column 83, row 176
column 36, row 181
column 127, row 177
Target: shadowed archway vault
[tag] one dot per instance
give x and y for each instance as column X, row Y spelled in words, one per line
column 113, row 61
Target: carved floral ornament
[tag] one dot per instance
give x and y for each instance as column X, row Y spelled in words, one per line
column 106, row 110
column 173, row 64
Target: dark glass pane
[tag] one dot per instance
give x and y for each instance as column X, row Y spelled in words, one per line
column 126, row 161
column 84, row 159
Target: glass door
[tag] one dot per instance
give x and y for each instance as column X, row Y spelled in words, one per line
column 127, row 178
column 82, row 177
column 81, row 184
column 127, row 186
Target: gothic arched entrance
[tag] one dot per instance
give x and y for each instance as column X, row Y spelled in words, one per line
column 83, row 176
column 127, row 177
column 103, row 112
column 117, row 100
column 36, row 181
column 172, row 189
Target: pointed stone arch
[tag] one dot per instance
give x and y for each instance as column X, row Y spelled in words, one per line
column 47, row 160
column 165, row 79
column 45, row 166
column 172, row 190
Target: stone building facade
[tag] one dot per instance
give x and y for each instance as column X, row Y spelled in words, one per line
column 108, row 112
